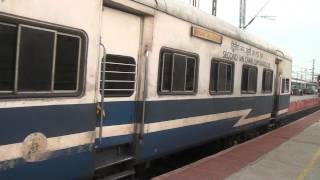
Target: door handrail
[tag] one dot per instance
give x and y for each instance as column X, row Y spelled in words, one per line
column 103, row 78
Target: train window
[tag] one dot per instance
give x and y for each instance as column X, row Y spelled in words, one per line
column 285, row 85
column 249, row 79
column 40, row 62
column 8, row 40
column 166, row 72
column 267, row 81
column 177, row 73
column 35, row 59
column 67, row 62
column 190, row 74
column 221, row 77
column 120, row 74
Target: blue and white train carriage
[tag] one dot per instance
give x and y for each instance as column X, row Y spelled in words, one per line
column 88, row 86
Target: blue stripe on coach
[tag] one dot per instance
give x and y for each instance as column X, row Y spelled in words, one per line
column 52, row 121
column 58, row 120
column 165, row 142
column 128, row 111
column 123, row 112
column 284, row 101
column 157, row 111
column 73, row 166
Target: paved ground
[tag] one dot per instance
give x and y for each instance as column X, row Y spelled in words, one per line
column 294, row 98
column 298, row 158
column 290, row 152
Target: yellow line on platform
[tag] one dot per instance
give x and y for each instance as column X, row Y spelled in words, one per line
column 306, row 170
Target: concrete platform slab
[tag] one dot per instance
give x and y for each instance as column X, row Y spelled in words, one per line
column 294, row 98
column 290, row 152
column 288, row 161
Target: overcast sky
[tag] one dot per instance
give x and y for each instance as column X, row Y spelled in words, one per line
column 296, row 28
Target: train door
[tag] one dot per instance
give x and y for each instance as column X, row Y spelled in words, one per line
column 120, row 35
column 277, row 90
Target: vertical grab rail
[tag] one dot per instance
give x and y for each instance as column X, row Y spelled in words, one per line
column 145, row 86
column 102, row 113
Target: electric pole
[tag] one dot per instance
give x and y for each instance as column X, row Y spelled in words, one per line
column 242, row 16
column 214, row 7
column 195, row 3
column 305, row 74
column 313, row 62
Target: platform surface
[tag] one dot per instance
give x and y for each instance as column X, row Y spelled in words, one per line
column 290, row 152
column 298, row 158
column 294, row 98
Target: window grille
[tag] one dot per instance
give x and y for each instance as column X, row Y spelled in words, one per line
column 120, row 76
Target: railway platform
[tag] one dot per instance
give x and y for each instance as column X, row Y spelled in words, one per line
column 298, row 103
column 290, row 152
column 295, row 98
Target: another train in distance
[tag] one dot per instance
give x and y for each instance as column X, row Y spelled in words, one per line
column 93, row 88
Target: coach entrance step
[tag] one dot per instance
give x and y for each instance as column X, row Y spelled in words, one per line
column 114, row 163
column 290, row 152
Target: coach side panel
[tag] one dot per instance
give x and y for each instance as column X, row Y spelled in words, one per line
column 47, row 88
column 176, row 119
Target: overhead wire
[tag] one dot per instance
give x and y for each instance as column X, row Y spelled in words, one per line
column 256, row 14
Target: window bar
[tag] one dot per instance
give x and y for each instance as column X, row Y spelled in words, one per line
column 249, row 74
column 119, row 89
column 15, row 89
column 162, row 69
column 8, row 24
column 218, row 74
column 79, row 64
column 185, row 73
column 226, row 82
column 249, row 82
column 264, row 80
column 119, row 81
column 124, row 64
column 215, row 74
column 172, row 71
column 267, row 82
column 232, row 78
column 119, row 72
column 53, row 61
column 194, row 74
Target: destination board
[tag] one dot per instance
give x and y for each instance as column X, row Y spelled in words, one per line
column 206, row 34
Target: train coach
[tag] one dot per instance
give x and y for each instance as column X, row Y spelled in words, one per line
column 93, row 88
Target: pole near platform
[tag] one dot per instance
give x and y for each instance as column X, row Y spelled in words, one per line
column 242, row 16
column 214, row 7
column 312, row 78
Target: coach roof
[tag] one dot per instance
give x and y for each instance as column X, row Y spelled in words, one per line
column 188, row 13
